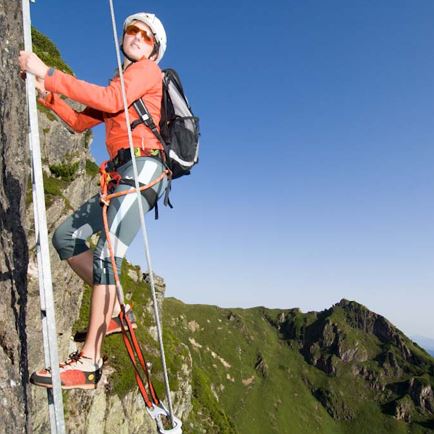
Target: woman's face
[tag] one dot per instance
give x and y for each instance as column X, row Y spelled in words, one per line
column 138, row 40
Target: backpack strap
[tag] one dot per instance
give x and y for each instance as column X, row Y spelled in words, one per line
column 146, row 118
column 167, row 193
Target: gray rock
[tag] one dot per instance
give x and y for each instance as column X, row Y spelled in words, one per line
column 14, row 352
column 422, row 395
column 403, row 410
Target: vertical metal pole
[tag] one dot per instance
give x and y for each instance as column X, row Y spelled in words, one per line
column 55, row 401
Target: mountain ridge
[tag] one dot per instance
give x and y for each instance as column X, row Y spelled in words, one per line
column 352, row 362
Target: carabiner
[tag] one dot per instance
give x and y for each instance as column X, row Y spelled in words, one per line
column 157, row 411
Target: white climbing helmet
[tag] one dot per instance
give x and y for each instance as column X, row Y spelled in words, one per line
column 155, row 25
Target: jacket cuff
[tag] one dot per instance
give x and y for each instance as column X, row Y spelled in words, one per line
column 50, row 80
column 47, row 100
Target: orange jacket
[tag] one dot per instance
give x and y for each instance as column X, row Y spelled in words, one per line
column 143, row 79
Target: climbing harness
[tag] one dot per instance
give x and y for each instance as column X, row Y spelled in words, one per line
column 155, row 407
column 55, row 402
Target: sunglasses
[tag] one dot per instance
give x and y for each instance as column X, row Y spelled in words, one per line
column 133, row 30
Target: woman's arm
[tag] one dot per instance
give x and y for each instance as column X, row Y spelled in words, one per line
column 78, row 121
column 140, row 78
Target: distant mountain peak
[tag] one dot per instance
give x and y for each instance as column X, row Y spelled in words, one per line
column 350, row 336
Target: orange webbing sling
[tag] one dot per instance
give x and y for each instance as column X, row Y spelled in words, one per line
column 108, row 179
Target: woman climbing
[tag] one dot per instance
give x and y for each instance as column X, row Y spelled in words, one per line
column 143, row 46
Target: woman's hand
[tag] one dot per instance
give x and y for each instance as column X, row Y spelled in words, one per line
column 30, row 62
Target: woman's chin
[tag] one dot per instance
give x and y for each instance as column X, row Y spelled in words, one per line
column 134, row 55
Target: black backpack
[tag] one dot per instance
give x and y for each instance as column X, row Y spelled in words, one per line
column 179, row 128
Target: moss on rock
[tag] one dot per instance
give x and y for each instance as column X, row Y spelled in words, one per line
column 48, row 52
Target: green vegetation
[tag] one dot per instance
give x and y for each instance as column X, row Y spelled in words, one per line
column 53, row 187
column 229, row 387
column 206, row 405
column 49, row 54
column 91, row 168
column 293, row 396
column 47, row 51
column 88, row 135
column 29, row 193
column 65, row 171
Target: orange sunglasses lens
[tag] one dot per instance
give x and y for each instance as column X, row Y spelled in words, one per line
column 133, row 30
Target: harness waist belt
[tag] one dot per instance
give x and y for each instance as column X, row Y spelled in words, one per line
column 124, row 155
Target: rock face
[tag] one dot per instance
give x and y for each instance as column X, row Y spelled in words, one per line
column 14, row 390
column 334, row 404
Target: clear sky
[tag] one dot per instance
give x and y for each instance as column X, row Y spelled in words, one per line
column 316, row 178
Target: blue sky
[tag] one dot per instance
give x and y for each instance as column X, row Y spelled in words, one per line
column 316, row 179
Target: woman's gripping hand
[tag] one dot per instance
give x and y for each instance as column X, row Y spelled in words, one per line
column 30, row 62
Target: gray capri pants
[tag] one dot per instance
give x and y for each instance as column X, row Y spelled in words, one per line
column 70, row 237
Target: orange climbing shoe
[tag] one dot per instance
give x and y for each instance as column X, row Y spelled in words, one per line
column 78, row 372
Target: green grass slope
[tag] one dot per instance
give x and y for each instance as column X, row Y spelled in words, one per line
column 251, row 377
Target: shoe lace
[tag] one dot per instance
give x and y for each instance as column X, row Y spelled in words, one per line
column 72, row 358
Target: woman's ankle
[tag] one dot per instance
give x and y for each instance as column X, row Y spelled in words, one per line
column 90, row 355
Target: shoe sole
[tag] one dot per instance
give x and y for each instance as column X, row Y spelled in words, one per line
column 91, row 381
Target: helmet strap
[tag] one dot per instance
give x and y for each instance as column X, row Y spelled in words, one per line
column 122, row 49
column 155, row 50
column 126, row 55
